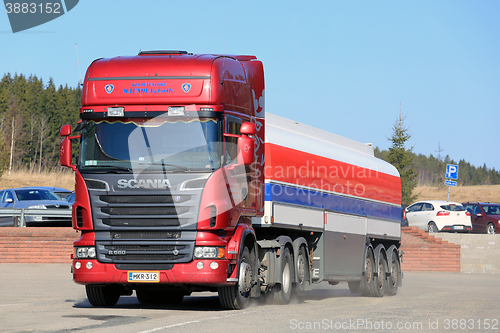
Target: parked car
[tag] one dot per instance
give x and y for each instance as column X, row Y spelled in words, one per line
column 404, row 220
column 485, row 216
column 33, row 198
column 436, row 216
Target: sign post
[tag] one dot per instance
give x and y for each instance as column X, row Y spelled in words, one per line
column 451, row 173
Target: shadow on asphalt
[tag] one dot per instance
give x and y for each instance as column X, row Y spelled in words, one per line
column 210, row 301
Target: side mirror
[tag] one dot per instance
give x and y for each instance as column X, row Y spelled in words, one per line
column 65, row 130
column 245, row 143
column 248, row 128
column 9, row 200
column 479, row 215
column 66, row 148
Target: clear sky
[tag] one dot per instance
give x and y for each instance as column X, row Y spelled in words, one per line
column 342, row 66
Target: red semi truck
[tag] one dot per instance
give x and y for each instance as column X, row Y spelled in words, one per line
column 184, row 184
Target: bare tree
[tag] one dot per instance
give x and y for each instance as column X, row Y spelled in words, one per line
column 43, row 132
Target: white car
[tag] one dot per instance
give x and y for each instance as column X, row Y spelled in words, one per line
column 436, row 216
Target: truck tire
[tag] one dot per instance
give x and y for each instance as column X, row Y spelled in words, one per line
column 237, row 297
column 393, row 279
column 283, row 292
column 379, row 279
column 102, row 295
column 366, row 283
column 302, row 267
column 171, row 297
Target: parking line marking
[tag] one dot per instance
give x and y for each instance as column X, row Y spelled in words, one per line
column 196, row 321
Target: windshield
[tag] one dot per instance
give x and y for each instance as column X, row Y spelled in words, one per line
column 159, row 144
column 28, row 195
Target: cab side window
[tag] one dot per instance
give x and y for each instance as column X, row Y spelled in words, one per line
column 232, row 126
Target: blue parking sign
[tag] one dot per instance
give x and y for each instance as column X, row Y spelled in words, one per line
column 451, row 171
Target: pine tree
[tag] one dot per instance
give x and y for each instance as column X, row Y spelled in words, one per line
column 402, row 159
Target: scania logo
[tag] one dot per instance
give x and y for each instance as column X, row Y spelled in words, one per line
column 144, row 183
column 109, row 88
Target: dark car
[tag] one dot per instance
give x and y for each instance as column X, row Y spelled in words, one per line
column 34, row 198
column 485, row 216
column 404, row 220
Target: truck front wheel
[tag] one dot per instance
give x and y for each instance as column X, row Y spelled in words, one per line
column 102, row 295
column 237, row 297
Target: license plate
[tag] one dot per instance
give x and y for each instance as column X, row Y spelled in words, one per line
column 143, row 276
column 458, row 227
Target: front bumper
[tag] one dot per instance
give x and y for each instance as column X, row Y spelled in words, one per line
column 186, row 273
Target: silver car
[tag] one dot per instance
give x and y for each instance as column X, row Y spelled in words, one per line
column 34, row 198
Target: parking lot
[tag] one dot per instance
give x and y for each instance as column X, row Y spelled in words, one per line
column 43, row 298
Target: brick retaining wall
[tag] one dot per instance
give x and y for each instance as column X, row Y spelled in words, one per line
column 54, row 245
column 424, row 252
column 37, row 245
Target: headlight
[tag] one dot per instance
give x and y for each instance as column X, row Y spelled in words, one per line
column 209, row 252
column 85, row 252
column 38, row 207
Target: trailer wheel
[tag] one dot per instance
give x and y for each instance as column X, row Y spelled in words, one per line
column 102, row 295
column 379, row 281
column 283, row 292
column 145, row 296
column 366, row 282
column 393, row 278
column 354, row 287
column 302, row 272
column 237, row 297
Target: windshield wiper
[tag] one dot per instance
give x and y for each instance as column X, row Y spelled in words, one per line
column 183, row 168
column 115, row 167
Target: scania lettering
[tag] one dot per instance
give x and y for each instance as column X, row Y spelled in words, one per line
column 143, row 183
column 200, row 189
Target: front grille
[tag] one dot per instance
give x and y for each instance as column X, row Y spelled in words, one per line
column 145, row 234
column 57, row 206
column 163, row 252
column 138, row 222
column 145, row 248
column 147, row 199
column 168, row 210
column 138, row 227
column 151, row 257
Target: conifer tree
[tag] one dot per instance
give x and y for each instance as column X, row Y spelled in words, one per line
column 402, row 159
